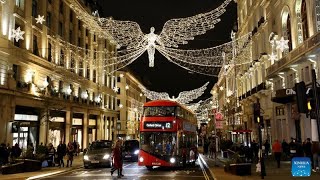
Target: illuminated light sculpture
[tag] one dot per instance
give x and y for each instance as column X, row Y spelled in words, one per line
column 175, row 32
column 282, row 44
column 40, row 19
column 184, row 97
column 17, row 34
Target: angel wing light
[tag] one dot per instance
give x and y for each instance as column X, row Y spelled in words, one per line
column 184, row 97
column 128, row 34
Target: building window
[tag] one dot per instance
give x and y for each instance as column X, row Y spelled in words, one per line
column 94, row 76
column 60, row 29
column 304, row 20
column 70, row 36
column 289, row 33
column 118, row 92
column 49, row 52
column 88, row 73
column 61, row 58
column 72, row 64
column 71, row 16
column 20, row 4
column 80, row 68
column 118, row 79
column 61, row 7
column 317, row 6
column 34, row 8
column 79, row 41
column 87, row 32
column 16, row 73
column 79, row 25
column 118, row 102
column 35, row 45
column 60, row 86
column 48, row 20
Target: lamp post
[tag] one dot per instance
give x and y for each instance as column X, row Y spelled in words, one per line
column 263, row 167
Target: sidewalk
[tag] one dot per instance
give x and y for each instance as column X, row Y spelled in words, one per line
column 273, row 173
column 47, row 171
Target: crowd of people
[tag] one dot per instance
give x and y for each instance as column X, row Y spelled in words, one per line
column 280, row 150
column 51, row 155
column 9, row 154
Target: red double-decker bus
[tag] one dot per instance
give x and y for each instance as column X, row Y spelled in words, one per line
column 167, row 135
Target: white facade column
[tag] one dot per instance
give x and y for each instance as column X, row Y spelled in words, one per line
column 69, row 116
column 44, row 123
column 7, row 111
column 85, row 130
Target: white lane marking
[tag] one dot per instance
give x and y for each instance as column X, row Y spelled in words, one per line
column 140, row 175
column 44, row 175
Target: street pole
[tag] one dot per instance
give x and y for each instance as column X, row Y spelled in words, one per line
column 263, row 167
column 316, row 97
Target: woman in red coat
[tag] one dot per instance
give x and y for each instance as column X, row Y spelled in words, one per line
column 117, row 159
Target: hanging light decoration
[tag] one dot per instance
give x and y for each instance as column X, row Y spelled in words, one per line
column 184, row 97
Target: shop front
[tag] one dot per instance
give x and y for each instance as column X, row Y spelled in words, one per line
column 77, row 129
column 92, row 128
column 25, row 127
column 57, row 127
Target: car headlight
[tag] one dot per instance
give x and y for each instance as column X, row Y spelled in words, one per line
column 172, row 160
column 141, row 159
column 136, row 152
column 86, row 157
column 106, row 156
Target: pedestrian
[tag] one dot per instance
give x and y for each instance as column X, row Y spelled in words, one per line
column 61, row 152
column 307, row 148
column 116, row 158
column 75, row 147
column 4, row 154
column 51, row 155
column 276, row 148
column 255, row 149
column 315, row 149
column 266, row 148
column 70, row 153
column 285, row 149
column 293, row 148
column 16, row 152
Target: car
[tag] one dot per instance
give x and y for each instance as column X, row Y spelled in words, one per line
column 130, row 150
column 98, row 154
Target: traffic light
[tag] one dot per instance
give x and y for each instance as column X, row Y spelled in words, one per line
column 301, row 97
column 256, row 112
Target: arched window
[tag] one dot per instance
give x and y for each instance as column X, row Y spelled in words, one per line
column 286, row 28
column 318, row 15
column 288, row 32
column 304, row 20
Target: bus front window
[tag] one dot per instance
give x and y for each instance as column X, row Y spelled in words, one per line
column 158, row 143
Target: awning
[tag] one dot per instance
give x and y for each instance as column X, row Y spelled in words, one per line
column 283, row 100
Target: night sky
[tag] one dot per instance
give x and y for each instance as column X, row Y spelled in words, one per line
column 166, row 76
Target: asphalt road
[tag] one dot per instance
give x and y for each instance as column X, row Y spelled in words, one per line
column 134, row 172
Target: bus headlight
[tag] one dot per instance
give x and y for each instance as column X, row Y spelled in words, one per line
column 136, row 152
column 172, row 160
column 106, row 156
column 86, row 157
column 141, row 159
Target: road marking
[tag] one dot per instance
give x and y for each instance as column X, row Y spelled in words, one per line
column 203, row 170
column 205, row 163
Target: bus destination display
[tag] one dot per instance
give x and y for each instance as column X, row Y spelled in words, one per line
column 157, row 125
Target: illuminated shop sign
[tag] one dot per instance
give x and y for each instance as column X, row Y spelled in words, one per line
column 157, row 125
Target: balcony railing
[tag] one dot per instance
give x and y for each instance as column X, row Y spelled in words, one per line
column 254, row 90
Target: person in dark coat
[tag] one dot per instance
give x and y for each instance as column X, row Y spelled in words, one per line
column 16, row 151
column 61, row 152
column 285, row 148
column 4, row 154
column 116, row 158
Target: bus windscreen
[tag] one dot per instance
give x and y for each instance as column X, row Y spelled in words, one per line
column 159, row 143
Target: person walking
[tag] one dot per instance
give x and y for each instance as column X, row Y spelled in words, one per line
column 70, row 153
column 315, row 149
column 61, row 152
column 266, row 148
column 116, row 158
column 276, row 148
column 285, row 148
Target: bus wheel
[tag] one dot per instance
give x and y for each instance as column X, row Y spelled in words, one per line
column 149, row 168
